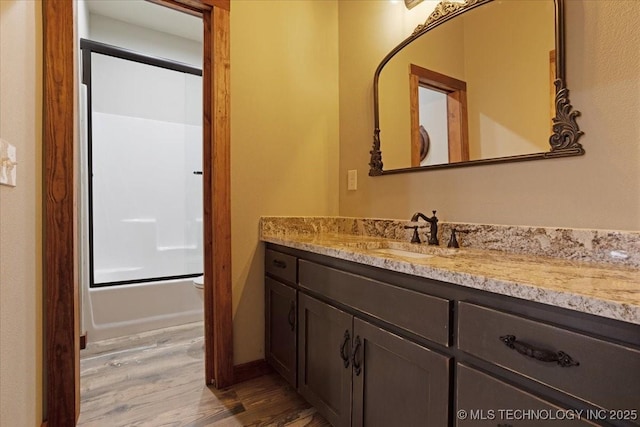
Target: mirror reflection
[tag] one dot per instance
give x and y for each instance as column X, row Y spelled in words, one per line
column 478, row 86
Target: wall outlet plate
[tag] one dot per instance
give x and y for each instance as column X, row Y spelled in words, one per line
column 8, row 164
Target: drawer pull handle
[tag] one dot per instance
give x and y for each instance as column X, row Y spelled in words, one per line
column 560, row 357
column 292, row 316
column 279, row 263
column 357, row 367
column 344, row 355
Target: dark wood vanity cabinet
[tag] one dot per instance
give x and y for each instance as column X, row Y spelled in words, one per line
column 600, row 372
column 380, row 348
column 324, row 356
column 280, row 330
column 397, row 382
column 280, row 314
column 357, row 374
column 483, row 400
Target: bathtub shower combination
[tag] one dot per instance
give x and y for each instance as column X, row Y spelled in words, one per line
column 144, row 192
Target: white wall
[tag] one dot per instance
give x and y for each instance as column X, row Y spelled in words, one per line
column 111, row 31
column 433, row 116
column 21, row 332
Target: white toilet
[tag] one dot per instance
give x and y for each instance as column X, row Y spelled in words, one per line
column 198, row 283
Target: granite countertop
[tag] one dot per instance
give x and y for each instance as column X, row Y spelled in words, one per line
column 601, row 289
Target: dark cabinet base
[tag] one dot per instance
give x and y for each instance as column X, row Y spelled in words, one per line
column 374, row 348
column 280, row 329
column 398, row 383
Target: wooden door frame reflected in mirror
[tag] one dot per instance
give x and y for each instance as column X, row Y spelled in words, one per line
column 563, row 141
column 456, row 114
column 61, row 398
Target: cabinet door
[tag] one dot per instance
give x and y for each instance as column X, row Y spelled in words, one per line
column 397, row 382
column 280, row 330
column 487, row 401
column 324, row 366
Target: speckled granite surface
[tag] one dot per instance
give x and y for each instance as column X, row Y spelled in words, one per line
column 583, row 276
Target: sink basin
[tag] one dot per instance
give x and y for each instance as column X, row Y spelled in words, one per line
column 401, row 253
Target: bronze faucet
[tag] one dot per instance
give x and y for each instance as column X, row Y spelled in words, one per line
column 433, row 221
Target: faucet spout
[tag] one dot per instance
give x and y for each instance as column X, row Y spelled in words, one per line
column 418, row 215
column 433, row 221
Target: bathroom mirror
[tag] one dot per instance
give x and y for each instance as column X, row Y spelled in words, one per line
column 481, row 81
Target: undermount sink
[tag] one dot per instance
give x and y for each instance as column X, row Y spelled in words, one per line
column 402, row 253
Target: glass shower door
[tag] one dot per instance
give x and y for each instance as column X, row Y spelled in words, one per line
column 145, row 159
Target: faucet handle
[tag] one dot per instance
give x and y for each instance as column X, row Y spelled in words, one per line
column 453, row 241
column 415, row 238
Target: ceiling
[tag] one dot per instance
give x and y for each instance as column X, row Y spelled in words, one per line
column 145, row 14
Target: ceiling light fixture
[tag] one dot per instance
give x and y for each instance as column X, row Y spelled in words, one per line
column 411, row 3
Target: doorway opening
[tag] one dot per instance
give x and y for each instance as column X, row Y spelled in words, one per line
column 439, row 122
column 141, row 198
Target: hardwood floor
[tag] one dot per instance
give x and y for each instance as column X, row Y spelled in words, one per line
column 157, row 379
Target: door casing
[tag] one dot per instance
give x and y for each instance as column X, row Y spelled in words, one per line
column 60, row 186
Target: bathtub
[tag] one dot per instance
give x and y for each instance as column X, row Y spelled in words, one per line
column 116, row 311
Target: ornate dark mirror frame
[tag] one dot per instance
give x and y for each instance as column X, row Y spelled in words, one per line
column 564, row 140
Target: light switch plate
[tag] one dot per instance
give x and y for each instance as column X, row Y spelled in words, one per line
column 8, row 164
column 352, row 180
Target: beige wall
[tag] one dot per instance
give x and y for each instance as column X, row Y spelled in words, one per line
column 284, row 136
column 20, row 218
column 512, row 117
column 599, row 190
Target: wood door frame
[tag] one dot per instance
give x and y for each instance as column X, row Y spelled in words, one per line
column 60, row 251
column 457, row 121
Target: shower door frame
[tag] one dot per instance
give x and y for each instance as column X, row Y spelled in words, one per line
column 87, row 48
column 61, row 400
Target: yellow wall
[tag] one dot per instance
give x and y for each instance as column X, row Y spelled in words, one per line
column 512, row 117
column 284, row 136
column 599, row 190
column 20, row 218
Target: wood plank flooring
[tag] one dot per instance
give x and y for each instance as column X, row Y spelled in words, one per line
column 157, row 379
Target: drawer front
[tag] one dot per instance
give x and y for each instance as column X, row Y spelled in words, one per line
column 282, row 266
column 608, row 375
column 420, row 314
column 486, row 401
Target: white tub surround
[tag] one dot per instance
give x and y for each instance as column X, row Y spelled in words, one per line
column 592, row 271
column 115, row 311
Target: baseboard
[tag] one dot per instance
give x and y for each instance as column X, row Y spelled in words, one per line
column 83, row 341
column 250, row 370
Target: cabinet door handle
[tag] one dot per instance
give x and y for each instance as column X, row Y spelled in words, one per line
column 357, row 367
column 344, row 355
column 279, row 263
column 292, row 316
column 560, row 357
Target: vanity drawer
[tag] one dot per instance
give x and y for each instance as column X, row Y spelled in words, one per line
column 423, row 315
column 608, row 374
column 483, row 400
column 281, row 265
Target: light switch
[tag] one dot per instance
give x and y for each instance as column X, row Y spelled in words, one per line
column 352, row 180
column 8, row 164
